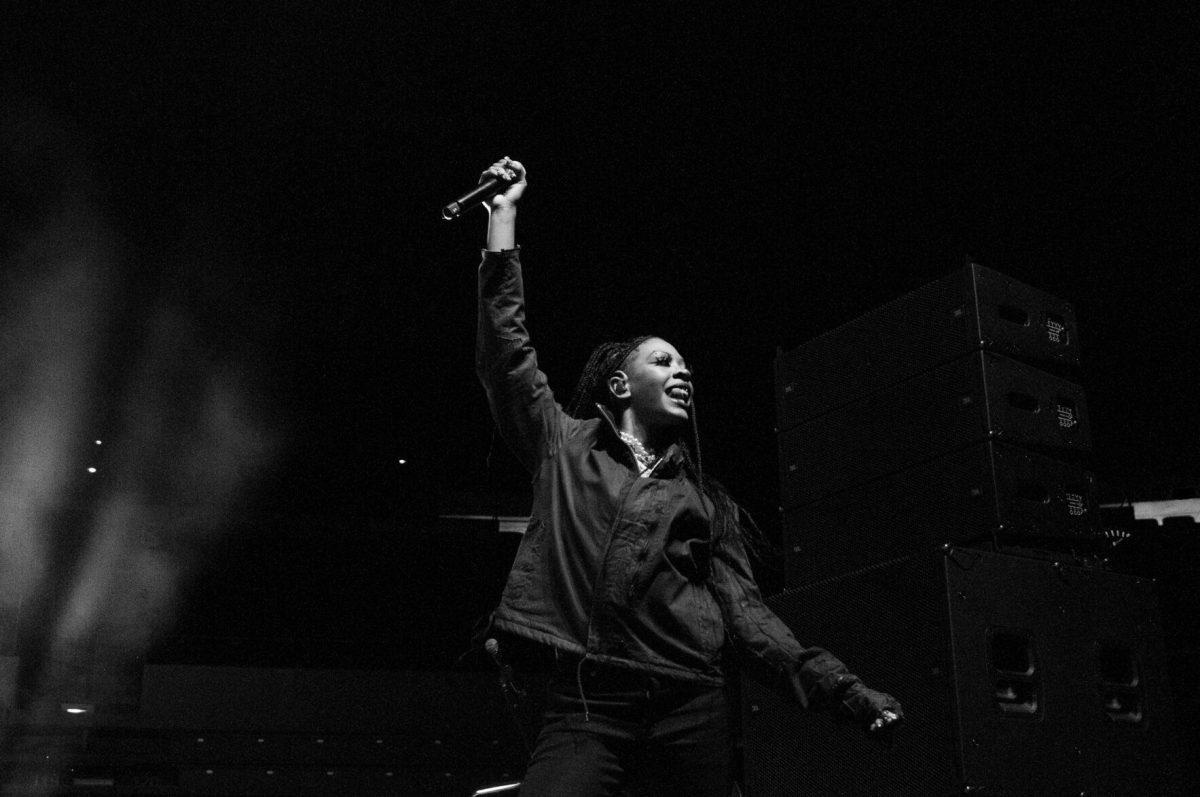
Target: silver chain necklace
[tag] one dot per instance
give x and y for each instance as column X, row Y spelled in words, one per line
column 646, row 460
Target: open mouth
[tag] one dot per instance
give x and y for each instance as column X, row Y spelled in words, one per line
column 680, row 393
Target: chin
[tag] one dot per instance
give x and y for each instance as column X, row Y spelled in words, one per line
column 678, row 415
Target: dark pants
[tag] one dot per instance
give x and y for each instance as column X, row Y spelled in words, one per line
column 639, row 734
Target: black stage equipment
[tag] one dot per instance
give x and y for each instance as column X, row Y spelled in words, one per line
column 972, row 308
column 947, row 416
column 979, row 397
column 1018, row 677
column 990, row 494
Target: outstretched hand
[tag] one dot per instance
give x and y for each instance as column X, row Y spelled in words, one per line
column 878, row 712
column 885, row 724
column 513, row 173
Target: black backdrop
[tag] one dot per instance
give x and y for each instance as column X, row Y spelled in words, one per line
column 732, row 178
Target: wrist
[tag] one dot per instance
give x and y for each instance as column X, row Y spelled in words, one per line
column 503, row 213
column 502, row 229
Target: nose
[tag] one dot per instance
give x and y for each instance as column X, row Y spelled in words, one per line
column 683, row 373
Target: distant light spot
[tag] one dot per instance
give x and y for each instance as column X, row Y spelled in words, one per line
column 91, row 470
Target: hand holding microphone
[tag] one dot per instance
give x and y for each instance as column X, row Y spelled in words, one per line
column 500, row 186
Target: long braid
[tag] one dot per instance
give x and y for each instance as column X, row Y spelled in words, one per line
column 696, row 442
column 730, row 521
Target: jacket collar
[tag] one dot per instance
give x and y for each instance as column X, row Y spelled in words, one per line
column 672, row 461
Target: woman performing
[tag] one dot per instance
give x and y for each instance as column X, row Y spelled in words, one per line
column 633, row 575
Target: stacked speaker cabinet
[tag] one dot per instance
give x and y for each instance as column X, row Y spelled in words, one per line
column 958, row 401
column 922, row 446
column 1018, row 677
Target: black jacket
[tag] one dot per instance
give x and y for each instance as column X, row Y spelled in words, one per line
column 616, row 567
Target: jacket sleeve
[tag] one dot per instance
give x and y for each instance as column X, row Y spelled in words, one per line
column 522, row 404
column 811, row 676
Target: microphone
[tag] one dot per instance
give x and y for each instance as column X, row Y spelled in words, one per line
column 514, row 696
column 492, row 646
column 485, row 190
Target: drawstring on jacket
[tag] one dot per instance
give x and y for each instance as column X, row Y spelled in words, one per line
column 579, row 681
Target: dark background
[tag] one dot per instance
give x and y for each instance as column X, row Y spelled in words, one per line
column 735, row 179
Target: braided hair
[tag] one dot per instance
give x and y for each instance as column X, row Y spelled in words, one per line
column 592, row 388
column 730, row 522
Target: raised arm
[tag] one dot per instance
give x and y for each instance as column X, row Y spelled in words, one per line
column 521, row 401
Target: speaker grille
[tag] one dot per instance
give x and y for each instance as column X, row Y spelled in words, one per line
column 790, row 751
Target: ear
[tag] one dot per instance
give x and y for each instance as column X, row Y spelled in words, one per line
column 618, row 385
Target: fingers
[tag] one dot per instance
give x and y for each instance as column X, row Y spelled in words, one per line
column 517, row 169
column 505, row 169
column 886, row 719
column 495, row 170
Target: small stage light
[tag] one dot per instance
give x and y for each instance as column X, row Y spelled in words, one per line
column 77, row 708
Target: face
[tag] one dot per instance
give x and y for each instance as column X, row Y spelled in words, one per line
column 656, row 383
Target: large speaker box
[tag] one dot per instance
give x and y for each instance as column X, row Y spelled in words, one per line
column 990, row 495
column 1017, row 676
column 978, row 397
column 973, row 308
